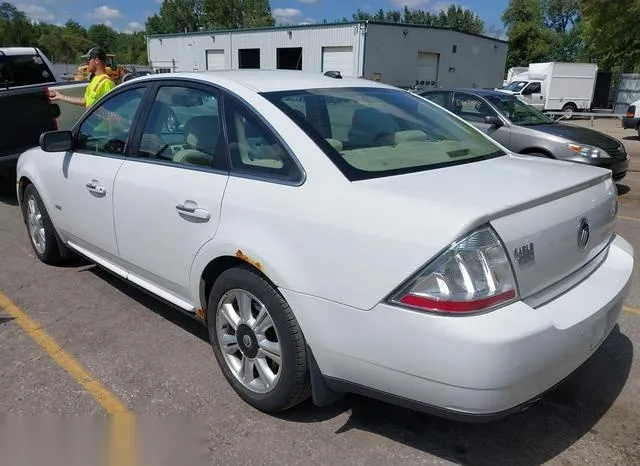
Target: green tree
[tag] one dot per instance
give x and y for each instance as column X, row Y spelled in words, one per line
column 174, row 16
column 611, row 32
column 529, row 39
column 222, row 14
column 103, row 36
column 15, row 27
column 256, row 13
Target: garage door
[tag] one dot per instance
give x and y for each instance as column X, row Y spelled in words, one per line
column 427, row 68
column 215, row 60
column 338, row 59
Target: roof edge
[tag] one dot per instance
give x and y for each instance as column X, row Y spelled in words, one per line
column 319, row 25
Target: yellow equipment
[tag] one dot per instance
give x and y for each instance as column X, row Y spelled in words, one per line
column 116, row 72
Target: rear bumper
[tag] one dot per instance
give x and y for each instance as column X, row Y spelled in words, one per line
column 630, row 123
column 472, row 367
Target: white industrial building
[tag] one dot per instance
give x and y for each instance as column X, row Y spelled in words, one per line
column 397, row 54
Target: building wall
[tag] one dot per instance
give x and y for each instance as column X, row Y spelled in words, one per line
column 389, row 52
column 189, row 51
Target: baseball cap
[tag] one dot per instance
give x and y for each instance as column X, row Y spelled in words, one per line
column 96, row 52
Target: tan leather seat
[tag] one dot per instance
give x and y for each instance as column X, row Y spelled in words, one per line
column 201, row 135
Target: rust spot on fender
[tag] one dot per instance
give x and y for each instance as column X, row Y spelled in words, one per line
column 201, row 314
column 250, row 260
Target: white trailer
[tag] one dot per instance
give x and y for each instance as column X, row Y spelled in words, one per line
column 556, row 86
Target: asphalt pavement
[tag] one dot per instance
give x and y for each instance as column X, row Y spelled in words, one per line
column 77, row 345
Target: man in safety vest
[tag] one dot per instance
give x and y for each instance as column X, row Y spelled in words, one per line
column 99, row 85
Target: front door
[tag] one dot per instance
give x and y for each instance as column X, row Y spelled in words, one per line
column 533, row 95
column 168, row 194
column 474, row 110
column 85, row 181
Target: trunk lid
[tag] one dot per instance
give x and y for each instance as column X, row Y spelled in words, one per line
column 537, row 206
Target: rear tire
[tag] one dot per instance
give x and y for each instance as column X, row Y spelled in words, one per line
column 569, row 110
column 42, row 234
column 257, row 341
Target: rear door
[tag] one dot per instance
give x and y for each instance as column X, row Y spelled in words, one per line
column 441, row 98
column 168, row 192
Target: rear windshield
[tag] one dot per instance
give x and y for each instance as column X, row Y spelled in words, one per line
column 374, row 132
column 24, row 70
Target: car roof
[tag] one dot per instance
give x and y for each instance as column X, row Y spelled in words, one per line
column 270, row 80
column 474, row 90
column 18, row 51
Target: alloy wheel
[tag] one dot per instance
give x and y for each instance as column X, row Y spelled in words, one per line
column 35, row 225
column 249, row 341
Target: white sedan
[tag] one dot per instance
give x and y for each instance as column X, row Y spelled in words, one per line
column 338, row 235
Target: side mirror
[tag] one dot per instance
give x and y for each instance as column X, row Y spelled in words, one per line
column 493, row 120
column 56, row 141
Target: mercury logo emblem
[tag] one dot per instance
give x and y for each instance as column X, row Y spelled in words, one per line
column 583, row 234
column 247, row 341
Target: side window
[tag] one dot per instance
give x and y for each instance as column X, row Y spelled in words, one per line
column 29, row 69
column 471, row 108
column 534, row 88
column 343, row 118
column 254, row 149
column 184, row 127
column 438, row 98
column 297, row 104
column 107, row 128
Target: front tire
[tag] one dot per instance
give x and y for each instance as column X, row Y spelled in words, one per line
column 42, row 234
column 257, row 341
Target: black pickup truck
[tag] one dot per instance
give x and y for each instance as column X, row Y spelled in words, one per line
column 26, row 74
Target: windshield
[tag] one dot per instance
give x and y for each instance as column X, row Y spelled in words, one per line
column 515, row 86
column 372, row 132
column 518, row 112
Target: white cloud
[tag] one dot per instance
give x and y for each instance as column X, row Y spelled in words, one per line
column 287, row 15
column 442, row 6
column 309, row 2
column 105, row 13
column 134, row 26
column 36, row 12
column 408, row 3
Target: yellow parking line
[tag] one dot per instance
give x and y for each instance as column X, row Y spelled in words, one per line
column 121, row 427
column 631, row 310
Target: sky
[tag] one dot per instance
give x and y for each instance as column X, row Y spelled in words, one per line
column 130, row 15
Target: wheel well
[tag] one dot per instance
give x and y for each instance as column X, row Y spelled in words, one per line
column 24, row 182
column 215, row 268
column 570, row 104
column 536, row 151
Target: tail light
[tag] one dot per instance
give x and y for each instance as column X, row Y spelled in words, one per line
column 631, row 111
column 473, row 275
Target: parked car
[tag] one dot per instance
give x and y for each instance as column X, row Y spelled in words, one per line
column 632, row 118
column 26, row 74
column 523, row 129
column 338, row 235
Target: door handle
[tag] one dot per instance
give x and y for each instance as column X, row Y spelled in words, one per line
column 95, row 187
column 191, row 209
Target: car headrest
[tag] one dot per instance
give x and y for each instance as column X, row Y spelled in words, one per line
column 202, row 133
column 413, row 135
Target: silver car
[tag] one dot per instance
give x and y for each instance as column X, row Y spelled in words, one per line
column 523, row 129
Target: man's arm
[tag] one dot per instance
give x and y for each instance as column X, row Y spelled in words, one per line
column 55, row 95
